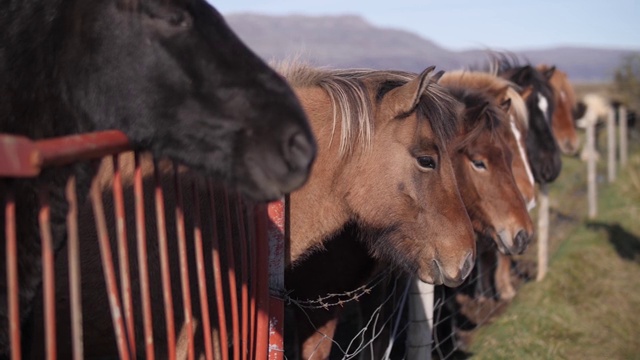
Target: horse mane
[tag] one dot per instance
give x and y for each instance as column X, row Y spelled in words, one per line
column 492, row 84
column 501, row 62
column 350, row 93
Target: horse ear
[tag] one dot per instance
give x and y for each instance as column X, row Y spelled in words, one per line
column 526, row 92
column 523, row 75
column 407, row 96
column 548, row 73
column 501, row 93
column 506, row 105
column 435, row 78
column 477, row 111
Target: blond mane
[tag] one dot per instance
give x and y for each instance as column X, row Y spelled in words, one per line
column 353, row 94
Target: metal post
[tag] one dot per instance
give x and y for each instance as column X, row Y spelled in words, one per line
column 611, row 142
column 543, row 231
column 624, row 151
column 591, row 156
column 278, row 233
column 419, row 333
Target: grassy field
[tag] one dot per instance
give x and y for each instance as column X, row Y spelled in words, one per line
column 587, row 306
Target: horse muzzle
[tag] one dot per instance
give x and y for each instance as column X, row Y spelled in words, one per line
column 452, row 277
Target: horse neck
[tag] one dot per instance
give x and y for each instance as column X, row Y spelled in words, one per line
column 318, row 209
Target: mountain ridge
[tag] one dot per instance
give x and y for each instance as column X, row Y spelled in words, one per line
column 350, row 41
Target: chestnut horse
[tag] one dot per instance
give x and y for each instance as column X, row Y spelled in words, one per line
column 482, row 154
column 385, row 123
column 563, row 122
column 170, row 74
column 489, row 254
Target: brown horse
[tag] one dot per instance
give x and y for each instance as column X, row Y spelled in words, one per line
column 383, row 165
column 562, row 122
column 507, row 217
column 491, row 254
column 386, row 123
column 482, row 154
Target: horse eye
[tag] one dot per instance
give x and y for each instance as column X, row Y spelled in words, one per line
column 179, row 19
column 479, row 164
column 427, row 162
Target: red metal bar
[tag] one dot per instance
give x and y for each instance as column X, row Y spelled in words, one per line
column 109, row 272
column 69, row 149
column 244, row 291
column 19, row 157
column 202, row 277
column 164, row 264
column 48, row 274
column 231, row 273
column 123, row 254
column 73, row 247
column 217, row 275
column 277, row 243
column 253, row 275
column 12, row 275
column 143, row 266
column 184, row 264
column 262, row 286
column 22, row 157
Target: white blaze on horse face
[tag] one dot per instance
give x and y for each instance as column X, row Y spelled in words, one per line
column 543, row 105
column 525, row 160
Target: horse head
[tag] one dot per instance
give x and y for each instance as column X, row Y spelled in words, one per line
column 487, row 154
column 542, row 148
column 407, row 192
column 483, row 161
column 175, row 78
column 563, row 123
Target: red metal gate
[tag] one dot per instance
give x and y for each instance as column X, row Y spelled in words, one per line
column 221, row 252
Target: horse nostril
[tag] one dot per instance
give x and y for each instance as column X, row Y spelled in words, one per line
column 299, row 151
column 467, row 265
column 521, row 241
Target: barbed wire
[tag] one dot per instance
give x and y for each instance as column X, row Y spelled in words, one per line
column 337, row 299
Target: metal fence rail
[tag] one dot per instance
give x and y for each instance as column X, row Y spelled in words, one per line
column 182, row 260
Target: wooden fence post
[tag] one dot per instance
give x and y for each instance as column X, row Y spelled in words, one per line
column 611, row 142
column 419, row 333
column 591, row 157
column 543, row 231
column 622, row 118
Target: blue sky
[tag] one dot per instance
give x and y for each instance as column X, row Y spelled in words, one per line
column 464, row 24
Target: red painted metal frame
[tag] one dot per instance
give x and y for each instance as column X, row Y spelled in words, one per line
column 278, row 234
column 13, row 301
column 253, row 324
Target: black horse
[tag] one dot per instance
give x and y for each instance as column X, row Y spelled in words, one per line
column 542, row 149
column 170, row 74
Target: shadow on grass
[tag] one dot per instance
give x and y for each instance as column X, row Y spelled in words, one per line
column 626, row 244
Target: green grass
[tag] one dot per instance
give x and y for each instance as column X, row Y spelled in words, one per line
column 588, row 305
